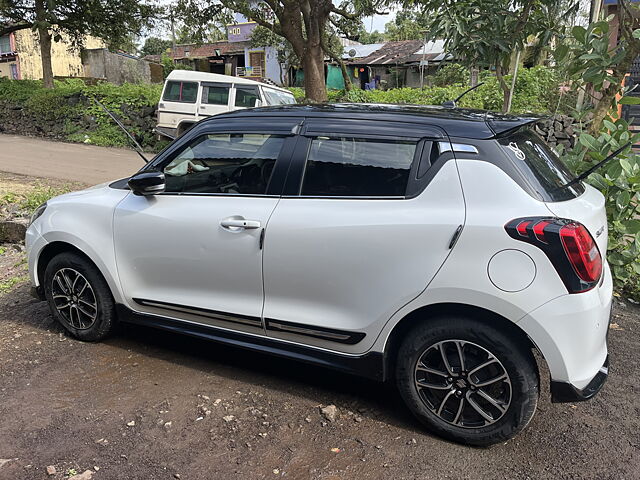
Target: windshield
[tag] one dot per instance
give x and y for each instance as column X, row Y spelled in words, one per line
column 276, row 97
column 540, row 165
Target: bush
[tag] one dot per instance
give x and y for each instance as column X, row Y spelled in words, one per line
column 83, row 120
column 537, row 91
column 451, row 74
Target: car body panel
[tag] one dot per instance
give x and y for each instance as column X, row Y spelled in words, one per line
column 341, row 254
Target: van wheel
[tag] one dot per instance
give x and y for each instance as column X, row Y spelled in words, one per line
column 79, row 297
column 467, row 381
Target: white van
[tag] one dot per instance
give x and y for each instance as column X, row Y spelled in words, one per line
column 188, row 97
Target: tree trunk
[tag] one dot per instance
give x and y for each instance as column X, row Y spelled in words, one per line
column 314, row 80
column 506, row 91
column 45, row 46
column 474, row 76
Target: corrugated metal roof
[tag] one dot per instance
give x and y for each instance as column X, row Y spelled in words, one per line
column 390, row 53
column 361, row 50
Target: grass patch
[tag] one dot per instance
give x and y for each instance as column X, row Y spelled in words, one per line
column 7, row 285
column 28, row 200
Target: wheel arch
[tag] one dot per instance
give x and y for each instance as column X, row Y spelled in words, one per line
column 431, row 312
column 51, row 249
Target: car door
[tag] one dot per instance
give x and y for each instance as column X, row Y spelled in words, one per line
column 367, row 218
column 194, row 252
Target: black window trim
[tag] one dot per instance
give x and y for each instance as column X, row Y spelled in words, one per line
column 276, row 182
column 182, row 101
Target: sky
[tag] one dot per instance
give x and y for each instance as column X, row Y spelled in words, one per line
column 376, row 22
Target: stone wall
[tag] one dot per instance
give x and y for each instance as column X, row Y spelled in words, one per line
column 118, row 68
column 558, row 130
column 16, row 118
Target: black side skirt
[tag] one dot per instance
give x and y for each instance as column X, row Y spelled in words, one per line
column 370, row 365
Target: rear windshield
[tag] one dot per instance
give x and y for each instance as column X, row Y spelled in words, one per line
column 540, row 165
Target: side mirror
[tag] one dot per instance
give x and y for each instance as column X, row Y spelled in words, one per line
column 147, row 183
column 258, row 103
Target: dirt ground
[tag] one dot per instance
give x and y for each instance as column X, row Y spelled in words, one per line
column 150, row 405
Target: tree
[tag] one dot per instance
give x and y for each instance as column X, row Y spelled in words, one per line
column 111, row 20
column 155, row 46
column 591, row 60
column 367, row 38
column 486, row 33
column 305, row 25
column 409, row 24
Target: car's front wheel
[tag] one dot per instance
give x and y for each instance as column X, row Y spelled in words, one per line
column 467, row 381
column 79, row 297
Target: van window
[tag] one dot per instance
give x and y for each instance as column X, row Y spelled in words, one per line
column 246, row 96
column 177, row 91
column 215, row 94
column 356, row 167
column 276, row 97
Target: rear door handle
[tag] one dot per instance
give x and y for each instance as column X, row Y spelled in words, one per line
column 235, row 223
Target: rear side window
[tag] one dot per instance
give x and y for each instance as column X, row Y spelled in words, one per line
column 216, row 94
column 356, row 167
column 246, row 96
column 181, row 92
column 540, row 165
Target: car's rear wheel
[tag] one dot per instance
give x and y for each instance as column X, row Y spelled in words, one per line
column 468, row 381
column 79, row 297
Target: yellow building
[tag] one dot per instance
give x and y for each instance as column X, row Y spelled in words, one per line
column 20, row 56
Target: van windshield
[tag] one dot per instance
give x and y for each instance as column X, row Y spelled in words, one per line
column 275, row 97
column 540, row 165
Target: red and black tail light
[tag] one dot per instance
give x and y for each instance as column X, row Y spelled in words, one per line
column 569, row 246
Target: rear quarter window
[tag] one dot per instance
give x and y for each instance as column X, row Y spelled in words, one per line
column 540, row 166
column 176, row 91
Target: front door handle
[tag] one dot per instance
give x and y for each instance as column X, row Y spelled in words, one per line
column 237, row 223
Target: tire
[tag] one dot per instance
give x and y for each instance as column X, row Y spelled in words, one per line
column 513, row 398
column 68, row 272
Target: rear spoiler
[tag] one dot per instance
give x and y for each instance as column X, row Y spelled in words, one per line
column 505, row 124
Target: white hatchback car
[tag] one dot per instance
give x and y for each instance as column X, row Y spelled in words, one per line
column 432, row 247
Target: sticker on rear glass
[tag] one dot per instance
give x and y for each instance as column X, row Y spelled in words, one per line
column 516, row 150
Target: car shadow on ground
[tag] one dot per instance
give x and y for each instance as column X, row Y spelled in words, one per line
column 325, row 386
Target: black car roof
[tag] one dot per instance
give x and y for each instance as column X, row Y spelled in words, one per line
column 457, row 122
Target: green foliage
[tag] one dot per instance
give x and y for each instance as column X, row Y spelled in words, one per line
column 451, row 74
column 619, row 181
column 55, row 105
column 536, row 91
column 587, row 56
column 367, row 38
column 408, row 24
column 591, row 64
column 155, row 46
column 169, row 65
column 33, row 198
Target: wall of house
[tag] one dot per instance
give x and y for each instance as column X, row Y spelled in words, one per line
column 65, row 59
column 118, row 69
column 272, row 67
